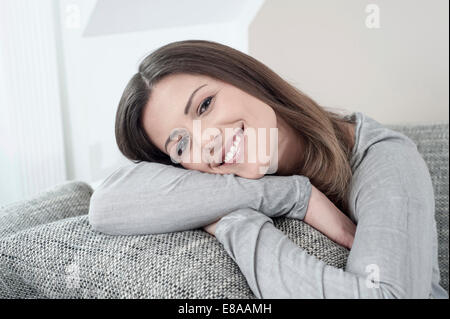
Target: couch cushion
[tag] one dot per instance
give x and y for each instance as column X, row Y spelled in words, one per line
column 66, row 259
column 65, row 200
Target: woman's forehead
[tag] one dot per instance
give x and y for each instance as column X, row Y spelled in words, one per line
column 172, row 92
column 181, row 81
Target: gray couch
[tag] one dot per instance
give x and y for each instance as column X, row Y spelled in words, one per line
column 48, row 249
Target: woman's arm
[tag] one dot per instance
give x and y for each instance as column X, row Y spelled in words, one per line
column 149, row 198
column 391, row 256
column 324, row 216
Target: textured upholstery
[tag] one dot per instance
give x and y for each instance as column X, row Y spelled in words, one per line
column 64, row 258
column 48, row 250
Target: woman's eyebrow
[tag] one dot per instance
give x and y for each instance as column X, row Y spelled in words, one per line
column 186, row 110
column 189, row 102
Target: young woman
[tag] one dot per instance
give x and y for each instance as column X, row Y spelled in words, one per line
column 331, row 171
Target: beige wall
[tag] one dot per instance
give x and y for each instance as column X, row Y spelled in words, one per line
column 397, row 73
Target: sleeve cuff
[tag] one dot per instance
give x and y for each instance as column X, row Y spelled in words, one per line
column 303, row 189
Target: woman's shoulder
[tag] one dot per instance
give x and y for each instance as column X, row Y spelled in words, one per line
column 374, row 138
column 389, row 162
column 392, row 172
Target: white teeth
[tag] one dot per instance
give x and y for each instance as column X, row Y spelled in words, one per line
column 230, row 154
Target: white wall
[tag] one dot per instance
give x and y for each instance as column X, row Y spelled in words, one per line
column 397, row 73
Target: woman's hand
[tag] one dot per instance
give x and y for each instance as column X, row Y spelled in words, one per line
column 211, row 228
column 324, row 216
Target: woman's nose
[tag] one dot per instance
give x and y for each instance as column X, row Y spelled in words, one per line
column 212, row 143
column 211, row 146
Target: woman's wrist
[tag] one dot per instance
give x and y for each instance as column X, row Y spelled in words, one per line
column 324, row 216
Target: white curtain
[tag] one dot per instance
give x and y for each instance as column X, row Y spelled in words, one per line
column 31, row 133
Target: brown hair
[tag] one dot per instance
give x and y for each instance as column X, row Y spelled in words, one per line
column 324, row 134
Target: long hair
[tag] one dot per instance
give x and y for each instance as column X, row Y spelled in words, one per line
column 324, row 134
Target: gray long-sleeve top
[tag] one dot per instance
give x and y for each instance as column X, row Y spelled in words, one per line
column 394, row 253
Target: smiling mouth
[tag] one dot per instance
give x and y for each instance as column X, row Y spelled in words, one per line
column 231, row 150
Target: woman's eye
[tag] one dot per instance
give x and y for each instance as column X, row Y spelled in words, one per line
column 204, row 106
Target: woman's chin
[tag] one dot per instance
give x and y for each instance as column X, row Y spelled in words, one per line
column 250, row 171
column 245, row 170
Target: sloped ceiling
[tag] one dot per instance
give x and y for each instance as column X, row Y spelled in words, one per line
column 119, row 16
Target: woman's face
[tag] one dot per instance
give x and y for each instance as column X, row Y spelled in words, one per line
column 197, row 121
